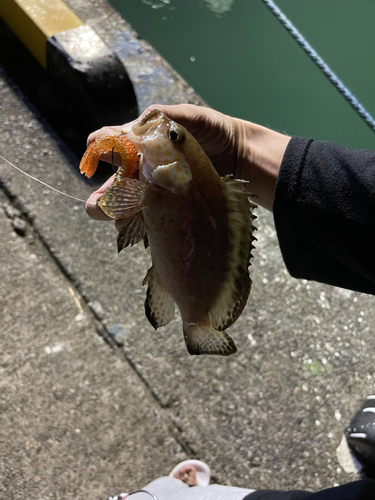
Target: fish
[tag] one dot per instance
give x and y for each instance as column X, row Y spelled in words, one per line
column 198, row 225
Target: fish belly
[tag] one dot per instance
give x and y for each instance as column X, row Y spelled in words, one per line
column 188, row 236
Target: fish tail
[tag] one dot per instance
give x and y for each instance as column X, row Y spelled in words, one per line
column 204, row 339
column 105, row 144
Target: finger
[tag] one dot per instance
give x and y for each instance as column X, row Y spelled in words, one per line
column 187, row 115
column 110, row 130
column 92, row 207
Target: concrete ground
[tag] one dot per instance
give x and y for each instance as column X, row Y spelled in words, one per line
column 93, row 401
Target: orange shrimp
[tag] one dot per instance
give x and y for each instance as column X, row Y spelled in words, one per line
column 105, row 144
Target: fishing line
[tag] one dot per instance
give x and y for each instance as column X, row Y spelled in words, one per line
column 47, row 185
column 321, row 64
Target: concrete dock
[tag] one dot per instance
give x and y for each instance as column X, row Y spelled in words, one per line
column 93, row 401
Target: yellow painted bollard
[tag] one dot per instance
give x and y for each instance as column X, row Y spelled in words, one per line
column 85, row 69
column 34, row 21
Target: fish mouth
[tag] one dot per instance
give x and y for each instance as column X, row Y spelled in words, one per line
column 143, row 131
column 137, row 167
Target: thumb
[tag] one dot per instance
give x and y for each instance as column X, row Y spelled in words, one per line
column 92, row 207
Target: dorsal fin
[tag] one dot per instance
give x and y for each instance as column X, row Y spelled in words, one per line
column 236, row 286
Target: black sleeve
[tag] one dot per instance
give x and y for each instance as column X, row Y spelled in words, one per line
column 324, row 212
column 278, row 495
column 357, row 490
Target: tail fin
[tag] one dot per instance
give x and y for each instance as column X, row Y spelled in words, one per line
column 204, row 339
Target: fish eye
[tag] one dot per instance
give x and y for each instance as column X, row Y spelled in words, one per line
column 177, row 136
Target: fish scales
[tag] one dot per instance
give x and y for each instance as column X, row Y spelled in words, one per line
column 189, row 240
column 199, row 228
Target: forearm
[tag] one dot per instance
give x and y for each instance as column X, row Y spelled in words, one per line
column 260, row 153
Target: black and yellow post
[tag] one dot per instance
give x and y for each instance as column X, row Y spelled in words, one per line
column 88, row 73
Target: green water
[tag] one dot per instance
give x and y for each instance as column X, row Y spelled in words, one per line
column 241, row 60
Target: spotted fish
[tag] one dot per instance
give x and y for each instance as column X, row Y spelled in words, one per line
column 198, row 225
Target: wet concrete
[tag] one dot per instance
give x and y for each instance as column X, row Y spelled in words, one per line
column 93, row 400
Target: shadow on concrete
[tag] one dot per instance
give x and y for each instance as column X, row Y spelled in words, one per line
column 55, row 109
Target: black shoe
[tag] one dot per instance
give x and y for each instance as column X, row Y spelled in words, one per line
column 360, row 436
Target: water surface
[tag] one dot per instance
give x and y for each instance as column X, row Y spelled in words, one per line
column 241, row 60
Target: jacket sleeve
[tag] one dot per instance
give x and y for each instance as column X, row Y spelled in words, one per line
column 357, row 490
column 324, row 212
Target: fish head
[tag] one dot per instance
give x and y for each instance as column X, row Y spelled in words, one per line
column 168, row 151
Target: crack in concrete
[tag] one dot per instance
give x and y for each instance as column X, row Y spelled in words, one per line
column 42, row 247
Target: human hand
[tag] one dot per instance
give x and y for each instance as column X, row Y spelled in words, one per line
column 215, row 132
column 187, row 474
column 235, row 147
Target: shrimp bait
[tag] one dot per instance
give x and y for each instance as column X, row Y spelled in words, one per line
column 106, row 144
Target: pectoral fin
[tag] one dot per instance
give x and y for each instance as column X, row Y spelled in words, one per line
column 131, row 231
column 204, row 339
column 159, row 304
column 124, row 198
